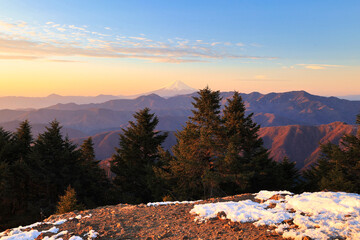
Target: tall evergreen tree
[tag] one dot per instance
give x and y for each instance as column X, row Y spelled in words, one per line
column 247, row 166
column 24, row 139
column 136, row 156
column 93, row 177
column 7, row 148
column 288, row 176
column 15, row 176
column 56, row 161
column 59, row 164
column 338, row 168
column 87, row 150
column 197, row 153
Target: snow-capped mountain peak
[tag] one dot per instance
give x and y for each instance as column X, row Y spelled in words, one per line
column 173, row 89
column 178, row 85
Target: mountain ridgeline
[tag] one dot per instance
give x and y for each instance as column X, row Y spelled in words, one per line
column 273, row 109
column 299, row 143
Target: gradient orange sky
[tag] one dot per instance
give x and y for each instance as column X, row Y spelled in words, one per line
column 64, row 48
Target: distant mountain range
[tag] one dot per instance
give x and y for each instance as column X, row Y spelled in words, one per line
column 12, row 102
column 274, row 109
column 293, row 123
column 351, row 97
column 299, row 143
column 302, row 143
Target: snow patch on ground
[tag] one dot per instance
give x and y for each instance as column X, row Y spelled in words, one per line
column 22, row 235
column 17, row 233
column 75, row 238
column 154, row 204
column 55, row 237
column 91, row 234
column 265, row 195
column 319, row 215
column 59, row 222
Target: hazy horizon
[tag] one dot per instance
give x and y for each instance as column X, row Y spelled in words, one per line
column 87, row 48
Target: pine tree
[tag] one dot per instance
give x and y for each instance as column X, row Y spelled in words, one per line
column 15, row 176
column 134, row 159
column 87, row 150
column 93, row 177
column 57, row 162
column 60, row 163
column 338, row 168
column 7, row 149
column 247, row 166
column 24, row 139
column 198, row 151
column 288, row 175
column 68, row 202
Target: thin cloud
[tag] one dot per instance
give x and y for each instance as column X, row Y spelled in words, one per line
column 52, row 40
column 319, row 66
column 61, row 29
column 8, row 25
column 14, row 57
column 63, row 61
column 76, row 28
column 215, row 43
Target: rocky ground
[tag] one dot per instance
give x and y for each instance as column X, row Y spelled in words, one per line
column 125, row 221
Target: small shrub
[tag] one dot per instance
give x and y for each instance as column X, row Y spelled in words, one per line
column 68, row 202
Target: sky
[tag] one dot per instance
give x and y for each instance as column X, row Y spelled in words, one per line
column 92, row 47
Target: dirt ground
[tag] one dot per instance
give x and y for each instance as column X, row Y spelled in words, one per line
column 125, row 221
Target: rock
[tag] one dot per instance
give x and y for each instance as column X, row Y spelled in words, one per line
column 221, row 215
column 272, row 205
column 278, row 197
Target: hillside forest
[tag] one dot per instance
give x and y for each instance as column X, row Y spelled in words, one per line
column 217, row 153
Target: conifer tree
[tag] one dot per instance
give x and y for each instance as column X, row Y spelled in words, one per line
column 247, row 166
column 87, row 150
column 23, row 139
column 93, row 177
column 198, row 151
column 68, row 202
column 134, row 159
column 15, row 176
column 56, row 161
column 7, row 149
column 338, row 168
column 59, row 163
column 288, row 175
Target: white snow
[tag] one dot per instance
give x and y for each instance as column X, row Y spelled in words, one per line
column 52, row 230
column 55, row 237
column 91, row 234
column 75, row 238
column 17, row 233
column 59, row 222
column 178, row 85
column 318, row 215
column 22, row 235
column 150, row 204
column 264, row 195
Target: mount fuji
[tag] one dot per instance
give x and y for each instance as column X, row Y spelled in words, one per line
column 173, row 89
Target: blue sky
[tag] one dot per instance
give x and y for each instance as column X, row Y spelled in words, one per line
column 264, row 39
